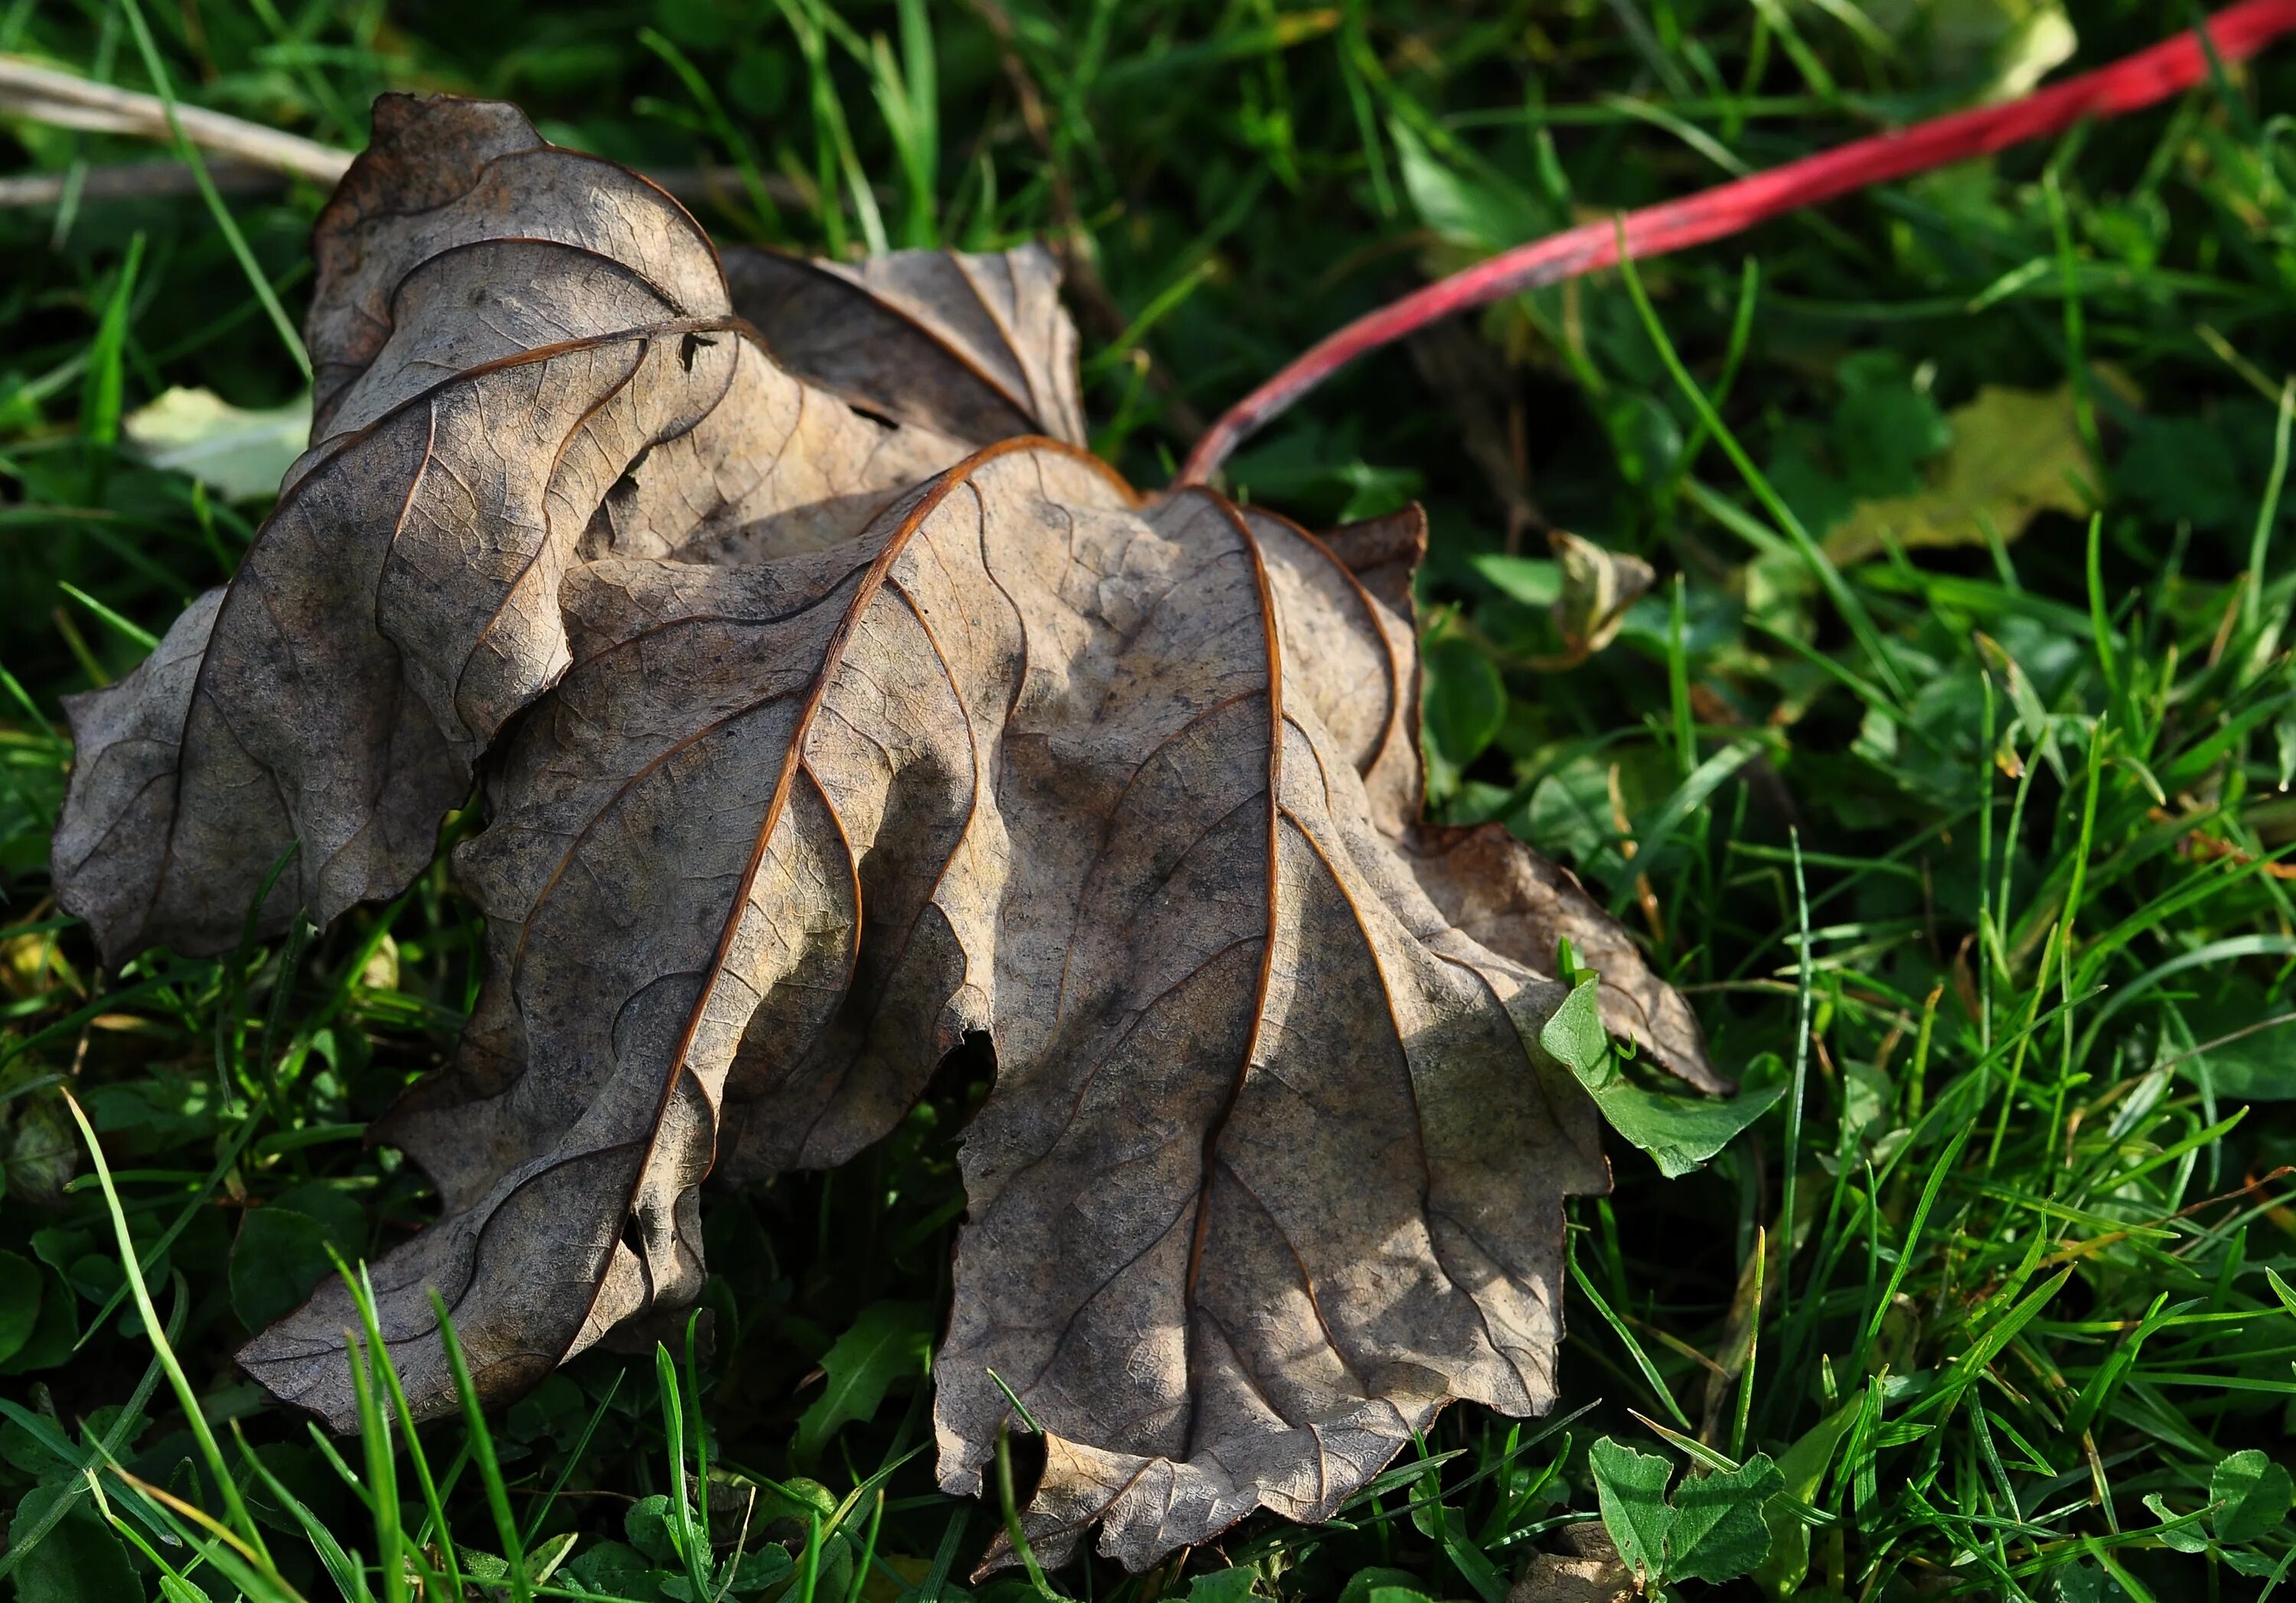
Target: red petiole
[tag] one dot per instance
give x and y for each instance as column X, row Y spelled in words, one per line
column 2128, row 85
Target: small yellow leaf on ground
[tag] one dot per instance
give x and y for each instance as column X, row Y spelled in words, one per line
column 238, row 453
column 2015, row 453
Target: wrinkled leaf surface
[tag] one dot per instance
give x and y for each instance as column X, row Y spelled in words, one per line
column 828, row 706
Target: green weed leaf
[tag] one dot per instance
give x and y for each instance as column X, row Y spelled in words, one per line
column 1464, row 701
column 888, row 1343
column 1631, row 1489
column 1712, row 1530
column 612, row 1568
column 1679, row 1133
column 1718, row 1533
column 1884, row 428
column 1802, row 1468
column 2178, row 1538
column 1378, row 1578
column 79, row 1560
column 21, row 1283
column 1575, row 1037
column 1479, row 208
column 647, row 1523
column 2185, row 469
column 1534, row 581
column 279, row 1256
column 770, row 1565
column 1230, row 1585
column 2252, row 1495
column 53, row 1335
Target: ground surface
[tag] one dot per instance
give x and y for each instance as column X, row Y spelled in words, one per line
column 2026, row 977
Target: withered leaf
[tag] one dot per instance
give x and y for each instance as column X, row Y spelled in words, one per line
column 525, row 356
column 1599, row 588
column 976, row 346
column 856, row 718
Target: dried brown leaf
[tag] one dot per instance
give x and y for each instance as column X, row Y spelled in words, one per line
column 976, row 346
column 1592, row 1574
column 526, row 356
column 856, row 718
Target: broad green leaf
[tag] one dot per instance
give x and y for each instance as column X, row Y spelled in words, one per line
column 1884, row 426
column 36, row 1445
column 79, row 1560
column 2085, row 1582
column 543, row 1561
column 1679, row 1133
column 339, row 1213
column 294, row 1490
column 1464, row 701
column 612, row 1568
column 1480, row 210
column 770, row 1565
column 274, row 1501
column 1802, row 1467
column 2184, row 469
column 1534, row 581
column 2251, row 1053
column 1570, row 813
column 1645, row 438
column 1366, row 1581
column 555, row 1409
column 1799, row 468
column 647, row 1523
column 1230, row 1585
column 1718, row 1533
column 42, row 1159
column 279, row 1256
column 21, row 1281
column 2015, row 455
column 887, row 1342
column 1631, row 1489
column 238, row 454
column 53, row 1335
column 2252, row 1495
column 2182, row 1539
column 795, row 1500
column 1575, row 1037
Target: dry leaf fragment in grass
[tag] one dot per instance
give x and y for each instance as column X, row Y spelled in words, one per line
column 1590, row 1572
column 830, row 705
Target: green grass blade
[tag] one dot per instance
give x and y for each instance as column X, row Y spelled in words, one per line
column 482, row 1452
column 189, row 155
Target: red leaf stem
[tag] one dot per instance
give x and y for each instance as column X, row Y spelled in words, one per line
column 2128, row 85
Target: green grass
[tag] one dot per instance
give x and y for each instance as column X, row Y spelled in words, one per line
column 1960, row 812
